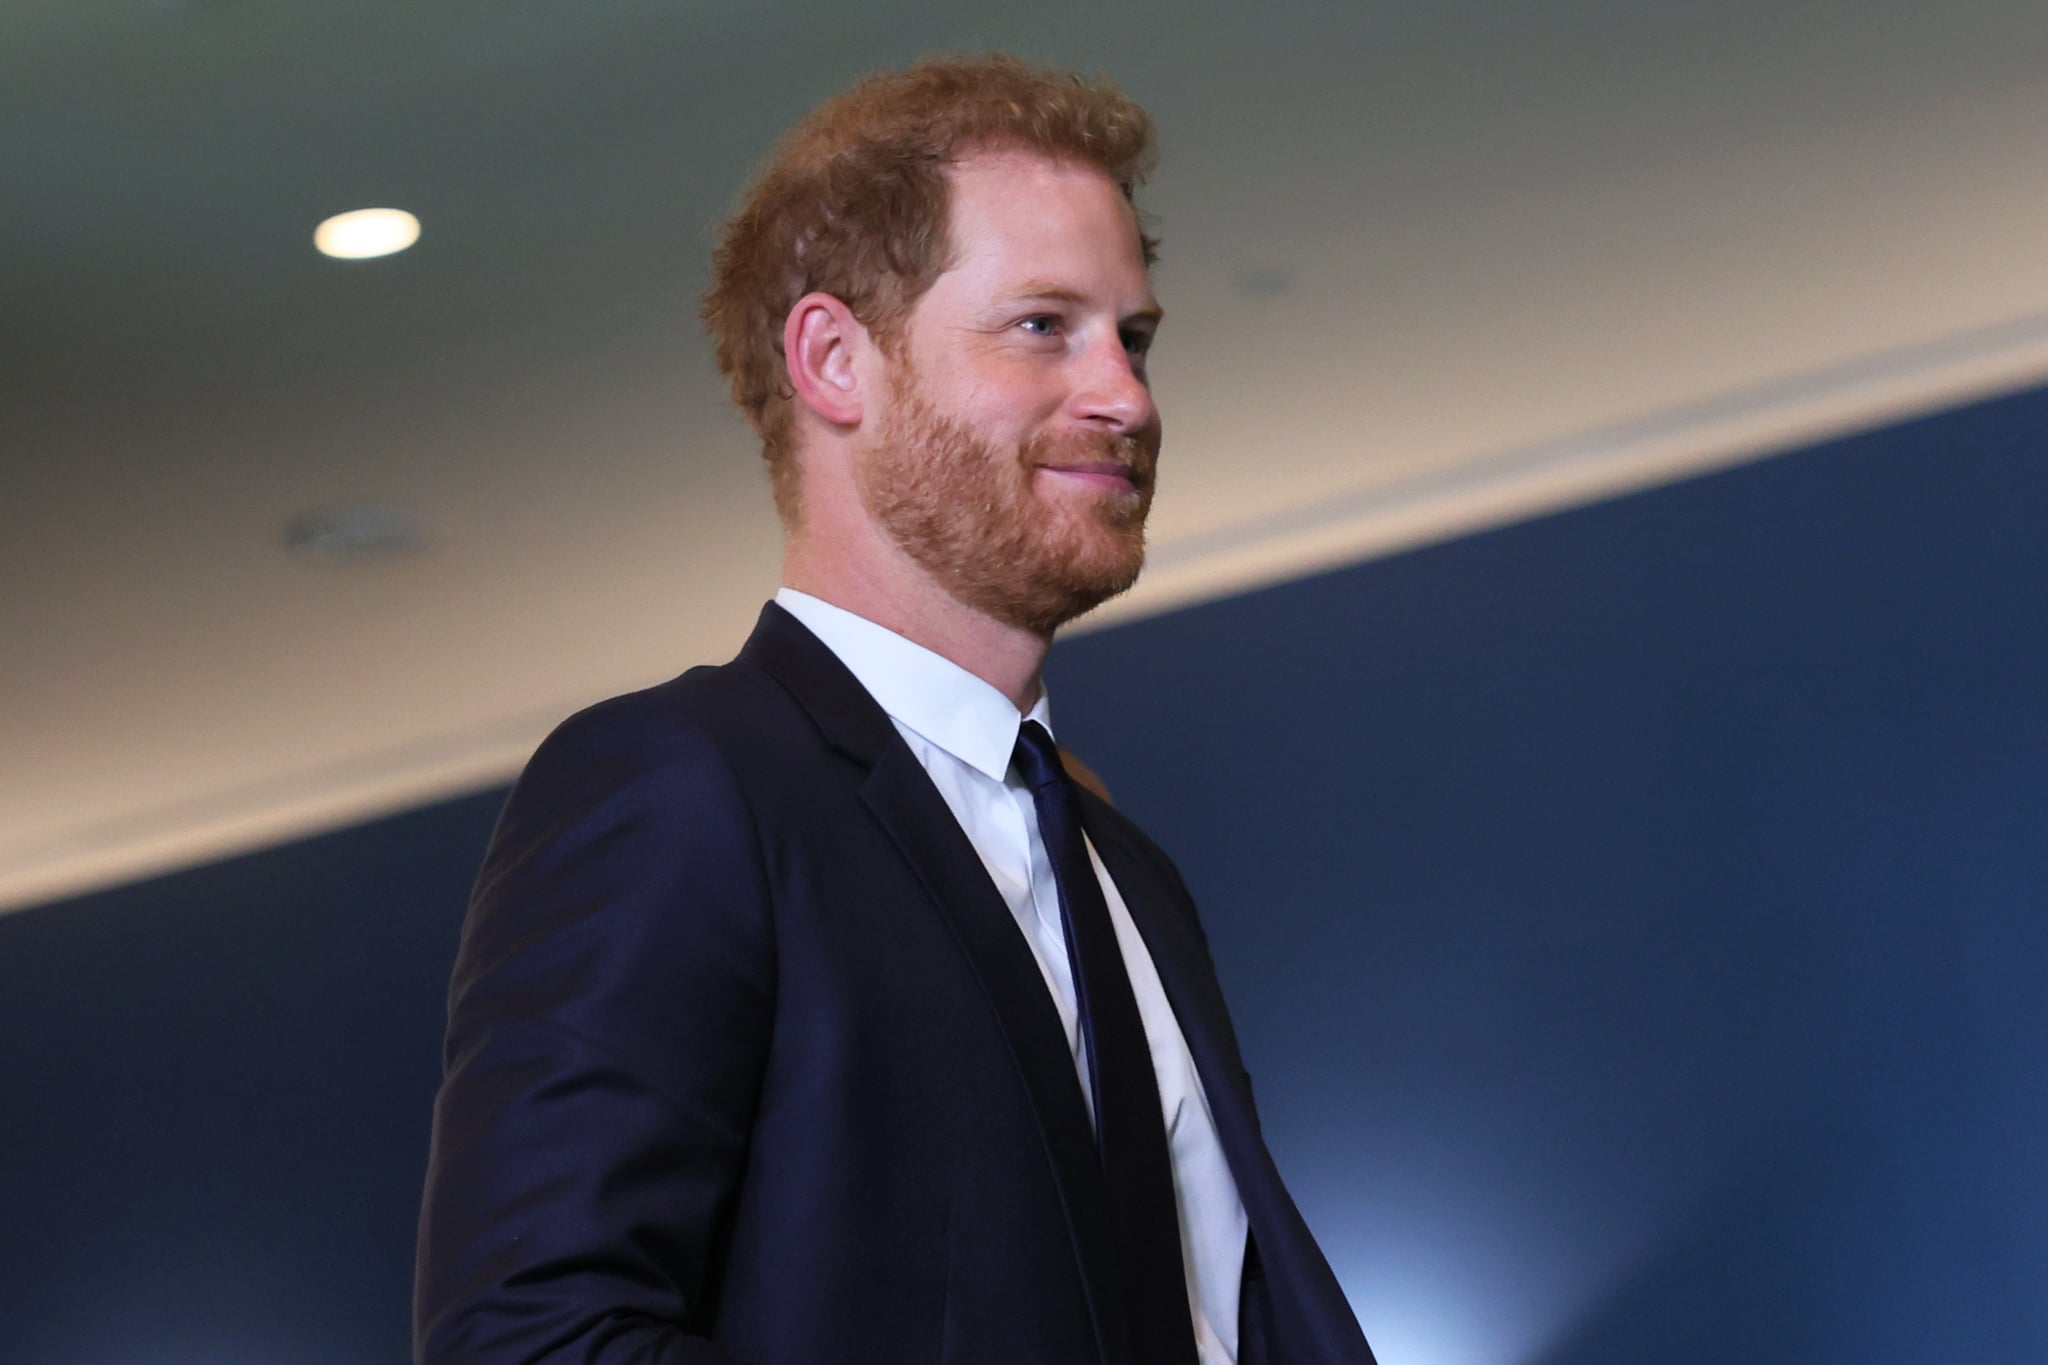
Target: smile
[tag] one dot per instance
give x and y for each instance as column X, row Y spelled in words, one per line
column 1106, row 474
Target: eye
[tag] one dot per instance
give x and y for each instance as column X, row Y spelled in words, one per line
column 1040, row 324
column 1136, row 340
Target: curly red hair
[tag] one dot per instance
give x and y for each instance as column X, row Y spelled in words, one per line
column 854, row 202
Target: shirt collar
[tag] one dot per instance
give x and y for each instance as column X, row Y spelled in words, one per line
column 922, row 691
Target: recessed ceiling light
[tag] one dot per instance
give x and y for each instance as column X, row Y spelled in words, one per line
column 353, row 534
column 366, row 232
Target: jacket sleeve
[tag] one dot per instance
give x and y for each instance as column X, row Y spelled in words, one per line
column 607, row 1029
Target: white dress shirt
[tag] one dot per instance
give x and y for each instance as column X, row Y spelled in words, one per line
column 964, row 731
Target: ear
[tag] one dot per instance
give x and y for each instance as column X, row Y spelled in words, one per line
column 821, row 342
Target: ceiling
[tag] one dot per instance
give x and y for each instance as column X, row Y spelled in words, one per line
column 1429, row 268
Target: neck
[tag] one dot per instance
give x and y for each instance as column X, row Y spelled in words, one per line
column 1007, row 658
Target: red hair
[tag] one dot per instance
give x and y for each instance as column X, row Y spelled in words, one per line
column 854, row 202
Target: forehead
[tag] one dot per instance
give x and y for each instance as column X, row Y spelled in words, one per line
column 1015, row 213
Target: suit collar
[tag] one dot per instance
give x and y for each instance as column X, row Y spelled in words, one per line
column 846, row 716
column 922, row 690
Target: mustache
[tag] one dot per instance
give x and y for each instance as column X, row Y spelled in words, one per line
column 1138, row 458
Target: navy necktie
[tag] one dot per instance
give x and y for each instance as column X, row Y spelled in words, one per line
column 1129, row 1128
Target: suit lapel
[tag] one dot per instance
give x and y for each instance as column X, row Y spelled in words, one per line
column 1178, row 955
column 1312, row 1319
column 909, row 808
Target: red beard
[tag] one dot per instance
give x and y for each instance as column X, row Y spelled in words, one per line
column 972, row 515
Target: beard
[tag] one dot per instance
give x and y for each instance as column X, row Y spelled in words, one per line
column 969, row 513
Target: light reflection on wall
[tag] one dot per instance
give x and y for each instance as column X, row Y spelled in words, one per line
column 1624, row 913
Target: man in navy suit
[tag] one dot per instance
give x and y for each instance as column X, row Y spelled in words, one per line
column 806, row 1011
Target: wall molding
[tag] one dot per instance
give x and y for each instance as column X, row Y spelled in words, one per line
column 1499, row 488
column 1486, row 491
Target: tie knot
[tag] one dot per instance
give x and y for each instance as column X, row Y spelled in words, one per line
column 1037, row 757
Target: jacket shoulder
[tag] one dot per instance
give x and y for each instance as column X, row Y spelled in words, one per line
column 707, row 718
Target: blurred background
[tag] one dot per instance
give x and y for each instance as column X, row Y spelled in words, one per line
column 1601, row 527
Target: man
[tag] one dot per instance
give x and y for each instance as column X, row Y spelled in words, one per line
column 806, row 1011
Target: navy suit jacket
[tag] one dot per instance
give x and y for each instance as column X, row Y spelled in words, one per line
column 747, row 1061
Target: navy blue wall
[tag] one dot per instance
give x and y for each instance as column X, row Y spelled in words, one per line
column 1632, row 918
column 1635, row 917
column 214, row 1093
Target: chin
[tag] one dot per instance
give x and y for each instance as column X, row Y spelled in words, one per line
column 1069, row 577
column 980, row 518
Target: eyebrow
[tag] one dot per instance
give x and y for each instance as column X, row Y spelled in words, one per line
column 1059, row 293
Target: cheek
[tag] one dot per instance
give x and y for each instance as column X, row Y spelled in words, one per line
column 1014, row 390
column 1016, row 417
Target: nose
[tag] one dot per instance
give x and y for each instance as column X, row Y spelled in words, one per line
column 1113, row 394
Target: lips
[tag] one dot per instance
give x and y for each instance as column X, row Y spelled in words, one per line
column 1109, row 478
column 1109, row 464
column 1114, row 469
